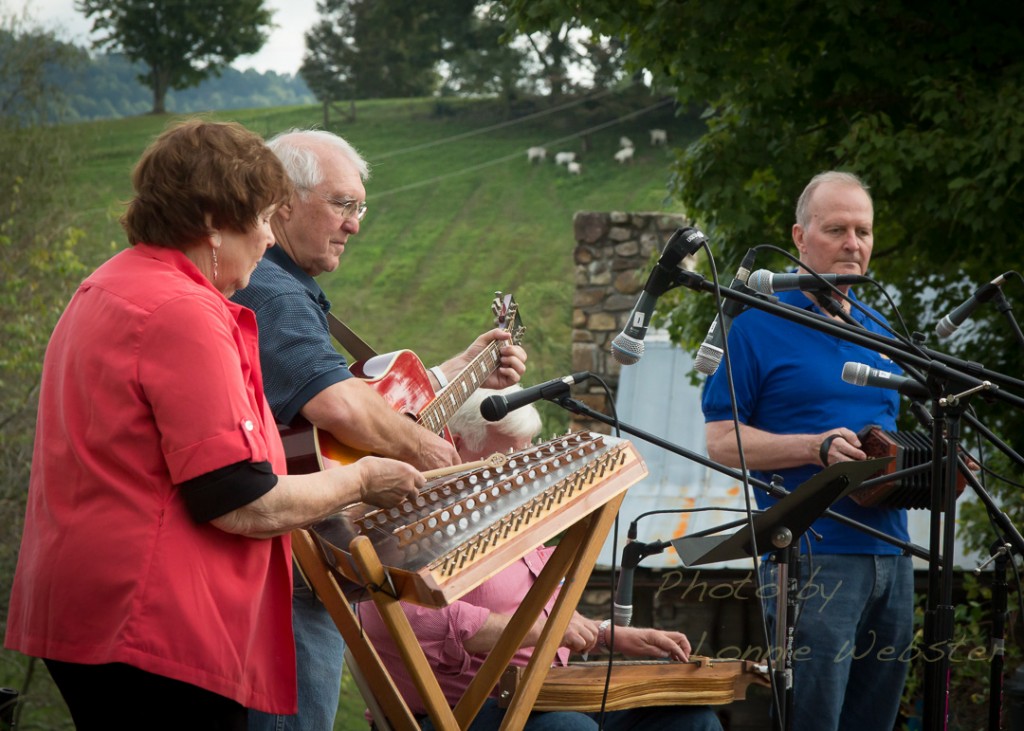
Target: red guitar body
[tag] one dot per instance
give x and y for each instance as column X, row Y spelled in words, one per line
column 398, row 377
column 403, row 382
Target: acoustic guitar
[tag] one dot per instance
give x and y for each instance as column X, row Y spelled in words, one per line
column 403, row 381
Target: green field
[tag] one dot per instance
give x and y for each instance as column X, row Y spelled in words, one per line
column 455, row 213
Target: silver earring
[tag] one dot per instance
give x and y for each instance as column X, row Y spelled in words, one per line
column 214, row 265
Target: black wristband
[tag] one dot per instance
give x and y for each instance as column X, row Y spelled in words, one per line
column 826, row 444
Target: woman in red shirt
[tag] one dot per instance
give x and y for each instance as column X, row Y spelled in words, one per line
column 154, row 575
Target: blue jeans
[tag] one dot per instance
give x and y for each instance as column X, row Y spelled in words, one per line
column 320, row 657
column 679, row 718
column 853, row 636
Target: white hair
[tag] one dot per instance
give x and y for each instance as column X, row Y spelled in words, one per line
column 520, row 425
column 297, row 150
column 829, row 176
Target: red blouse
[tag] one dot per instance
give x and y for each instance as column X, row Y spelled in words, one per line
column 152, row 378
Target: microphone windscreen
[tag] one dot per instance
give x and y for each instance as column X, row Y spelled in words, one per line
column 760, row 281
column 856, row 373
column 708, row 358
column 627, row 350
column 494, row 408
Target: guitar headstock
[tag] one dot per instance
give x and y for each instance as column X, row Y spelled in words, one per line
column 506, row 316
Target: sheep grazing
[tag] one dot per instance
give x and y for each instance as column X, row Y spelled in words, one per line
column 563, row 158
column 624, row 155
column 536, row 154
column 574, row 168
column 625, row 142
column 658, row 137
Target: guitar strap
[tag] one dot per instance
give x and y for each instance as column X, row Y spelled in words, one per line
column 351, row 342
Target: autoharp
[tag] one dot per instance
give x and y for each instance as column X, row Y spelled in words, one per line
column 464, row 528
column 639, row 683
column 909, row 450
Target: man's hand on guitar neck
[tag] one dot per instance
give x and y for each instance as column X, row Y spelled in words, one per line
column 510, row 370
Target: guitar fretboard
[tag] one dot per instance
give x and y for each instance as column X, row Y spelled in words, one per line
column 454, row 395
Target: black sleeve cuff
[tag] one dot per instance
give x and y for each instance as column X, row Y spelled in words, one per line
column 219, row 492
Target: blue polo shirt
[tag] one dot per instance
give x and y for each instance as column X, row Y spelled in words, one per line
column 788, row 380
column 296, row 354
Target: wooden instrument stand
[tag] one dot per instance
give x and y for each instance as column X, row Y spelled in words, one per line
column 569, row 565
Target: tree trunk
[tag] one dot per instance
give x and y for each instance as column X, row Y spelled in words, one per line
column 159, row 85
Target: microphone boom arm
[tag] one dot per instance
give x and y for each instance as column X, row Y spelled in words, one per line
column 939, row 366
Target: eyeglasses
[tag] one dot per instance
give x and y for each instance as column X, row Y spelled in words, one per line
column 346, row 208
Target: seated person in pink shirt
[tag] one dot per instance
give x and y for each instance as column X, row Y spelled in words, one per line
column 457, row 638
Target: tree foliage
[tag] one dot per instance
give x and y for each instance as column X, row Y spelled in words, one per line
column 181, row 42
column 28, row 56
column 461, row 47
column 925, row 103
column 354, row 51
column 486, row 63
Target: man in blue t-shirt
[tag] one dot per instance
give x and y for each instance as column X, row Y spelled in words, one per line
column 303, row 374
column 796, row 415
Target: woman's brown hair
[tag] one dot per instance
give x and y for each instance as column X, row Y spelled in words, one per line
column 197, row 169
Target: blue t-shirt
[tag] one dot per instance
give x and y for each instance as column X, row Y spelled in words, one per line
column 788, row 380
column 296, row 353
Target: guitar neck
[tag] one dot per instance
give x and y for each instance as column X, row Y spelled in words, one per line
column 436, row 414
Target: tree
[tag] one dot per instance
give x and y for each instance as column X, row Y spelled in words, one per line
column 181, row 42
column 354, row 52
column 327, row 67
column 28, row 93
column 486, row 63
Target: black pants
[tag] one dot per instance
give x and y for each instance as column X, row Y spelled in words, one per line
column 117, row 697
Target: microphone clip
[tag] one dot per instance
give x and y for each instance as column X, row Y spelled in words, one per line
column 635, row 551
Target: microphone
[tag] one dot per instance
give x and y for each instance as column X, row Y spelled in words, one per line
column 628, row 345
column 632, row 553
column 709, row 355
column 767, row 282
column 494, row 408
column 861, row 374
column 951, row 322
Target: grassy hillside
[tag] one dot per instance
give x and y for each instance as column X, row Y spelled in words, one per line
column 454, row 214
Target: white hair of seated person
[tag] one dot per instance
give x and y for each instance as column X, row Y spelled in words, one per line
column 477, row 438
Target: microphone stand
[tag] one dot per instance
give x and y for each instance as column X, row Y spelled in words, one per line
column 787, row 599
column 947, row 413
column 1011, row 542
column 1003, row 305
column 999, row 556
column 933, row 363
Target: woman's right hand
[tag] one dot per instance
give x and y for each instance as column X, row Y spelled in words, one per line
column 387, row 482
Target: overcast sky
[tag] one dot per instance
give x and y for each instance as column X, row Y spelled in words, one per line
column 282, row 52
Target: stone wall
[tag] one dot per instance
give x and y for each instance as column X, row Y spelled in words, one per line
column 613, row 255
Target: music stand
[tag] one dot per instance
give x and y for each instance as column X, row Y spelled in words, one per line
column 780, row 528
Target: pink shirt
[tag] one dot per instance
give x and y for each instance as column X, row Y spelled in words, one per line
column 152, row 378
column 442, row 632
